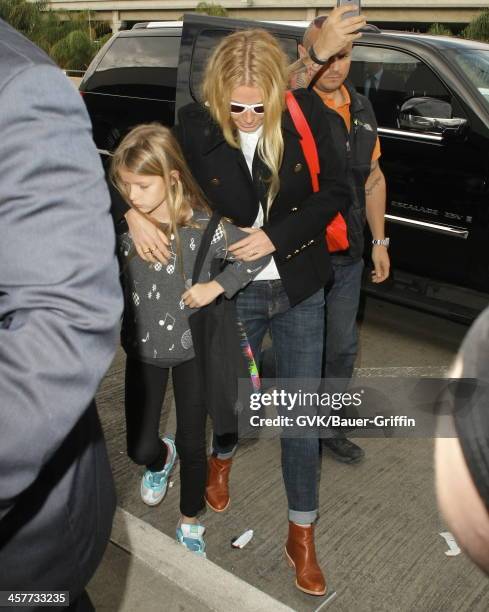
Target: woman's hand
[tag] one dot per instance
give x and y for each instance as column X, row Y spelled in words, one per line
column 150, row 242
column 202, row 294
column 254, row 246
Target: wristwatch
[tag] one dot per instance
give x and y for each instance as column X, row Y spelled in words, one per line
column 381, row 242
column 315, row 58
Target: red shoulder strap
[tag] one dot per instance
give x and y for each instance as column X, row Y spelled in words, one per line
column 307, row 141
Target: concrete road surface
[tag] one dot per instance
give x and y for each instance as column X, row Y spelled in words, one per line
column 378, row 533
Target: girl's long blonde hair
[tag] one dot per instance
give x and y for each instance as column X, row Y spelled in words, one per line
column 151, row 149
column 250, row 58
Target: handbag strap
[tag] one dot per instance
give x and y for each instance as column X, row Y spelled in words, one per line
column 205, row 244
column 307, row 141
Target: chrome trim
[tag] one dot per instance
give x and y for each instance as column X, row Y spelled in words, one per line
column 430, row 227
column 429, row 137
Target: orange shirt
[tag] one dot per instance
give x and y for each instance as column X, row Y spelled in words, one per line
column 344, row 111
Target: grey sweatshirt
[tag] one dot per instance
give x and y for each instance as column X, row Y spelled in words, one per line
column 155, row 326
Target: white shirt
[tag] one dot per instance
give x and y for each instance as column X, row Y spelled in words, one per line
column 249, row 142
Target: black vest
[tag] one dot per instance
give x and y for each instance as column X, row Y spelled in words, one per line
column 362, row 139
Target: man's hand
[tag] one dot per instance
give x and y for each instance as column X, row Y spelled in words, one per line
column 202, row 294
column 254, row 246
column 337, row 32
column 150, row 242
column 381, row 261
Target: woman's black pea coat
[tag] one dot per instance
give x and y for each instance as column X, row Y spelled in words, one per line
column 298, row 216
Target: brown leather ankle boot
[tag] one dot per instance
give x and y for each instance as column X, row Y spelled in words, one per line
column 217, row 489
column 301, row 554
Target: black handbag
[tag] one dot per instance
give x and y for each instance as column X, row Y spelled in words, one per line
column 220, row 346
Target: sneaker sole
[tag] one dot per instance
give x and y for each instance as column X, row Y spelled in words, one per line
column 153, row 504
column 157, row 503
column 193, row 552
column 292, row 565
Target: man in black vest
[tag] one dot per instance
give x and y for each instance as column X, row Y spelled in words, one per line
column 368, row 203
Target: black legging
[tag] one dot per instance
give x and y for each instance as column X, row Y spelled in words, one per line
column 145, row 392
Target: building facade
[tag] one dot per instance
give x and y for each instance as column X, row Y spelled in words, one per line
column 385, row 13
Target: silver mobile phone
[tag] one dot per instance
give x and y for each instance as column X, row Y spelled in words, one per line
column 355, row 7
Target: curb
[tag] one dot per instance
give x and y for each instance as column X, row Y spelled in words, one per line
column 218, row 589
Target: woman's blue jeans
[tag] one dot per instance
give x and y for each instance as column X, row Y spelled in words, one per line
column 297, row 335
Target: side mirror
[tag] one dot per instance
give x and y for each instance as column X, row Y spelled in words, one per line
column 431, row 115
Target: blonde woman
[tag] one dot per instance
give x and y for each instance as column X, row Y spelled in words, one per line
column 245, row 153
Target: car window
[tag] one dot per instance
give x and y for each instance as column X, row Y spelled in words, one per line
column 138, row 66
column 142, row 51
column 205, row 43
column 389, row 77
column 475, row 64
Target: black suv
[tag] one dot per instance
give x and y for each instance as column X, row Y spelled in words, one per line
column 432, row 105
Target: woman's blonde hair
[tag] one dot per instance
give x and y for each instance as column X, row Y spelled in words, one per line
column 250, row 58
column 152, row 150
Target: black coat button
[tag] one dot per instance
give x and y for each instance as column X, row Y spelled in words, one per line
column 297, row 168
column 215, row 182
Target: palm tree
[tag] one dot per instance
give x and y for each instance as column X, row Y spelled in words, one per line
column 71, row 39
column 78, row 42
column 478, row 28
column 23, row 16
column 209, row 8
column 438, row 29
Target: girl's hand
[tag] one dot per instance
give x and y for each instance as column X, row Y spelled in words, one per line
column 150, row 242
column 254, row 246
column 202, row 294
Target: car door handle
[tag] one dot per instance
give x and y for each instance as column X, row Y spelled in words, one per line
column 413, row 135
column 429, row 227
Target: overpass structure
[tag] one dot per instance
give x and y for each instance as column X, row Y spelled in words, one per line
column 409, row 13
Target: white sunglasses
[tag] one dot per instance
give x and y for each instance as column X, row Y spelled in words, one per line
column 237, row 108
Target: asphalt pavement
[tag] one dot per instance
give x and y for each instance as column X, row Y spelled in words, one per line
column 378, row 535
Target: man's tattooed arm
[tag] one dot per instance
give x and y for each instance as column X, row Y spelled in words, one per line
column 375, row 178
column 302, row 72
column 298, row 75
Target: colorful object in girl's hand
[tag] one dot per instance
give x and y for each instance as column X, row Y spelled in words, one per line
column 250, row 360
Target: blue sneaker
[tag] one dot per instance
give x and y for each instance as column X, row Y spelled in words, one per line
column 191, row 536
column 155, row 484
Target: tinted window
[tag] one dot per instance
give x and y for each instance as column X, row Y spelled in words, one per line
column 139, row 66
column 205, row 43
column 389, row 77
column 150, row 52
column 475, row 64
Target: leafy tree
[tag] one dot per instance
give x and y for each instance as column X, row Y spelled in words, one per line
column 478, row 28
column 438, row 29
column 209, row 8
column 23, row 16
column 75, row 49
column 71, row 39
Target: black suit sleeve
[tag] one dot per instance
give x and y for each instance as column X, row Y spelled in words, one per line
column 317, row 210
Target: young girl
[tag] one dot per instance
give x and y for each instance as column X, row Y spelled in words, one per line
column 149, row 170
